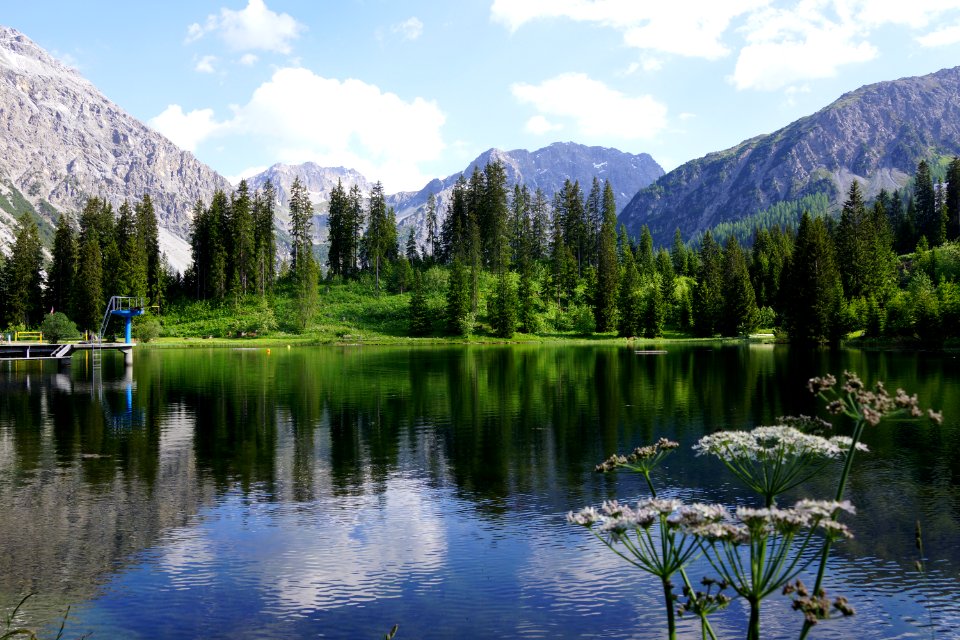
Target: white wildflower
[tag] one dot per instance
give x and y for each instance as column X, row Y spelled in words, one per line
column 586, row 517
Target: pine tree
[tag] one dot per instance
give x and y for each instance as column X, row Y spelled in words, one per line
column 338, row 223
column 708, row 294
column 411, row 253
column 22, row 278
column 217, row 217
column 301, row 224
column 928, row 218
column 629, row 307
column 88, row 293
column 645, row 263
column 63, row 268
column 853, row 241
column 678, row 253
column 608, row 271
column 420, row 324
column 953, row 199
column 356, row 221
column 433, row 231
column 458, row 318
column 242, row 265
column 148, row 233
column 265, row 243
column 654, row 312
column 815, row 294
column 739, row 311
column 540, row 226
column 380, row 241
column 132, row 276
column 496, row 232
column 504, row 306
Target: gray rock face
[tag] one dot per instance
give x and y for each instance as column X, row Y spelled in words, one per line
column 63, row 141
column 876, row 134
column 547, row 168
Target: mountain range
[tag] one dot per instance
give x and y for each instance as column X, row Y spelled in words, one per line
column 876, row 134
column 63, row 141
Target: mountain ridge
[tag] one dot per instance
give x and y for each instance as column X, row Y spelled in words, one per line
column 875, row 134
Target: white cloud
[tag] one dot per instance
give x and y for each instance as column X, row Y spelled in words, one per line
column 786, row 46
column 692, row 28
column 186, row 130
column 409, row 29
column 248, row 59
column 205, row 64
column 298, row 116
column 253, row 28
column 538, row 125
column 249, row 172
column 597, row 110
column 941, row 37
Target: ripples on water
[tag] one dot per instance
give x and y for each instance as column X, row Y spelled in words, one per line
column 333, row 493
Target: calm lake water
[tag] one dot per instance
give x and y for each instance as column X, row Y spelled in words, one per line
column 333, row 492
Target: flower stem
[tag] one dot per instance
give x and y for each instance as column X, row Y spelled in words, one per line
column 668, row 600
column 827, row 542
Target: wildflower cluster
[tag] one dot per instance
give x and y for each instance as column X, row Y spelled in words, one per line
column 772, row 460
column 616, row 520
column 816, row 606
column 643, row 459
column 703, row 603
column 869, row 405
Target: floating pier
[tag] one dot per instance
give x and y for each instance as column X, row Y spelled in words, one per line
column 62, row 353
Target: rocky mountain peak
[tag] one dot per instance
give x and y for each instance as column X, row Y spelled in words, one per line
column 63, row 141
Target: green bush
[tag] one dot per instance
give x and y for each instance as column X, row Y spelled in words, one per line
column 146, row 330
column 57, row 326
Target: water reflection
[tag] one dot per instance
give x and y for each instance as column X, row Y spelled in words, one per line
column 423, row 485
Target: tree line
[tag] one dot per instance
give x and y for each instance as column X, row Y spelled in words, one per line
column 102, row 253
column 521, row 261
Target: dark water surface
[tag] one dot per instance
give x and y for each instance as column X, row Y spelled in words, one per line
column 333, row 492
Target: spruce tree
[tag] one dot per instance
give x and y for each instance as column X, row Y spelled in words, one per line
column 678, row 253
column 433, row 230
column 301, row 225
column 654, row 311
column 458, row 317
column 628, row 299
column 265, row 243
column 22, row 278
column 739, row 313
column 380, row 241
column 608, row 271
column 708, row 294
column 953, row 199
column 924, row 194
column 242, row 264
column 540, row 225
column 338, row 223
column 131, row 278
column 420, row 323
column 148, row 233
column 88, row 293
column 63, row 268
column 813, row 292
column 504, row 306
column 645, row 257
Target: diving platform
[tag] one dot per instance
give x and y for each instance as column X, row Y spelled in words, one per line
column 62, row 353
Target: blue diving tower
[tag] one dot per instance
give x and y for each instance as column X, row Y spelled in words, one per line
column 126, row 307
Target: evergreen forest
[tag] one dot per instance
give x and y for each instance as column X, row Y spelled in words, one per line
column 505, row 261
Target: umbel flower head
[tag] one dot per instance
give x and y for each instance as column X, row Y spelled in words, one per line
column 857, row 401
column 771, row 460
column 642, row 459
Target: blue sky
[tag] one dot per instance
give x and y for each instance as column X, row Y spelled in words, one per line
column 408, row 91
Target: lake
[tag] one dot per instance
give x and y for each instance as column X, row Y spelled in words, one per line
column 336, row 491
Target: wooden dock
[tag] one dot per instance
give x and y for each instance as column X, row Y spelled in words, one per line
column 62, row 353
